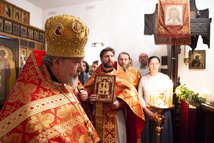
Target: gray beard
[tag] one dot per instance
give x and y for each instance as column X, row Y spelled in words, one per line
column 125, row 68
column 72, row 82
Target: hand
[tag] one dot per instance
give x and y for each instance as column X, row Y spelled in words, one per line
column 92, row 98
column 115, row 104
column 83, row 95
column 150, row 114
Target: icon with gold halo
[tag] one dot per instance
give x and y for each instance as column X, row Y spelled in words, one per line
column 76, row 26
column 58, row 29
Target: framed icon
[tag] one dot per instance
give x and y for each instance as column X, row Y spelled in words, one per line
column 8, row 10
column 25, row 17
column 30, row 33
column 197, row 59
column 36, row 35
column 23, row 56
column 16, row 14
column 1, row 24
column 23, row 31
column 7, row 26
column 163, row 60
column 16, row 29
column 174, row 15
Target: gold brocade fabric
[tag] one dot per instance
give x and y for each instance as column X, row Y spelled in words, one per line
column 66, row 36
column 134, row 76
column 173, row 22
column 99, row 119
column 125, row 91
column 36, row 111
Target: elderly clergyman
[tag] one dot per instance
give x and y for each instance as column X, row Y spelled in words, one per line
column 42, row 106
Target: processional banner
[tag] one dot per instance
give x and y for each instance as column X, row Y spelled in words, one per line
column 173, row 22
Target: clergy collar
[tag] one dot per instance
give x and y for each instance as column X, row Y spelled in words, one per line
column 105, row 71
column 52, row 75
column 115, row 67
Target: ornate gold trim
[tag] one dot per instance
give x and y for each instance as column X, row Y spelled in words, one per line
column 30, row 109
column 56, row 130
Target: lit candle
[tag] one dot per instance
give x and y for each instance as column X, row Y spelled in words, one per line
column 153, row 98
column 212, row 97
column 164, row 97
column 186, row 51
column 209, row 97
column 203, row 93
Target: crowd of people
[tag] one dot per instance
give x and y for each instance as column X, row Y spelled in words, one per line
column 53, row 99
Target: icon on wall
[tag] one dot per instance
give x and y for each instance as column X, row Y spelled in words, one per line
column 197, row 59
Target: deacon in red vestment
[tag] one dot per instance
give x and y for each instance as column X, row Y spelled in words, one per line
column 42, row 107
column 110, row 118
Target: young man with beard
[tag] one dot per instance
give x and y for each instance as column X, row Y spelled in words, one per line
column 42, row 106
column 110, row 119
column 133, row 73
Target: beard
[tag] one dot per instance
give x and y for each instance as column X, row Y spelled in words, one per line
column 108, row 64
column 72, row 81
column 125, row 67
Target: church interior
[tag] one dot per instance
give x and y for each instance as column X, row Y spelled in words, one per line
column 131, row 26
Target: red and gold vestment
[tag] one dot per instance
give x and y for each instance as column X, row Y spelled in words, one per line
column 39, row 110
column 134, row 76
column 105, row 117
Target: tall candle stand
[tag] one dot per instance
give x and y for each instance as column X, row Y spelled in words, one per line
column 159, row 119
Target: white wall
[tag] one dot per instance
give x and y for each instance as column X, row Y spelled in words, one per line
column 204, row 78
column 117, row 23
column 120, row 24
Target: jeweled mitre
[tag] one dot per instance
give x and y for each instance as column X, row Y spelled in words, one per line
column 66, row 36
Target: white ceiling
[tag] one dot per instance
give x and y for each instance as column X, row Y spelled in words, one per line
column 56, row 3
